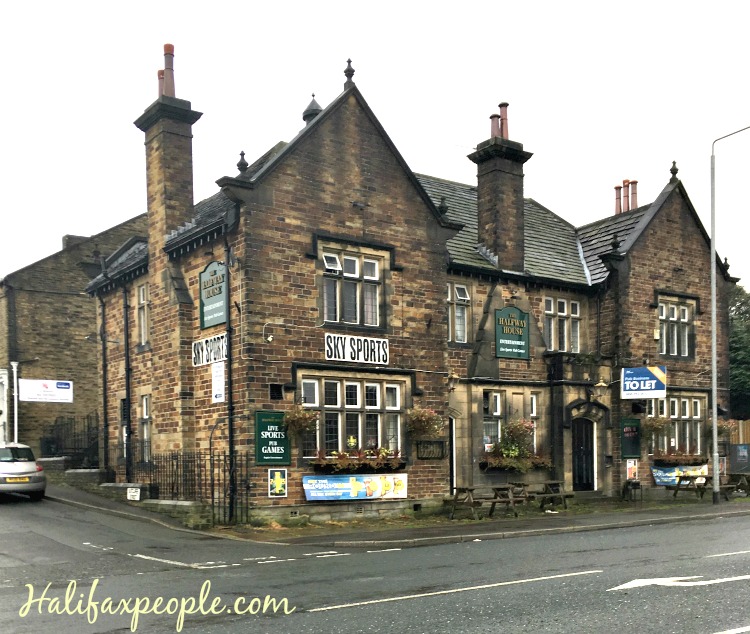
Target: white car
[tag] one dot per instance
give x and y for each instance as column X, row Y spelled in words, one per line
column 20, row 472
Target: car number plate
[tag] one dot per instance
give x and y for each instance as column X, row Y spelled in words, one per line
column 16, row 479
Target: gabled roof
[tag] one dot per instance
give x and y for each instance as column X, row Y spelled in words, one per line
column 598, row 238
column 251, row 177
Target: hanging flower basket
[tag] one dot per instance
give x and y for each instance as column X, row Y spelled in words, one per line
column 654, row 425
column 423, row 422
column 299, row 420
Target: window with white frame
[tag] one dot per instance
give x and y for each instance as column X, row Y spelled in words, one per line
column 492, row 417
column 562, row 324
column 143, row 314
column 145, row 428
column 459, row 302
column 676, row 328
column 352, row 288
column 354, row 415
column 683, row 434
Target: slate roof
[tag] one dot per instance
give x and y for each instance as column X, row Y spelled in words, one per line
column 597, row 238
column 129, row 261
column 552, row 251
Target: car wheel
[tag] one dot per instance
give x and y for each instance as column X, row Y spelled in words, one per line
column 36, row 496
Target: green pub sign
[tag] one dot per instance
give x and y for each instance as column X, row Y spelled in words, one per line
column 271, row 439
column 630, row 437
column 511, row 333
column 213, row 294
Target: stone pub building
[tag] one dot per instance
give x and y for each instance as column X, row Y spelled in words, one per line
column 327, row 277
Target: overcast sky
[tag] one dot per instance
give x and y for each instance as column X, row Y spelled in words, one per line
column 598, row 91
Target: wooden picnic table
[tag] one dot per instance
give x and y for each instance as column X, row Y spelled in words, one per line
column 509, row 494
column 699, row 484
column 550, row 492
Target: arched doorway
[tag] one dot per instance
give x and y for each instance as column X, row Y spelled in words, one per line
column 584, row 454
column 586, row 420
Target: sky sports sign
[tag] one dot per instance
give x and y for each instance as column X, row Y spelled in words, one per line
column 645, row 382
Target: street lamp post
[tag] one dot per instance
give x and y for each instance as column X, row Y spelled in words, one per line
column 714, row 388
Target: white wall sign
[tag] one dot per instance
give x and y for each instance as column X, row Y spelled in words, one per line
column 43, row 391
column 356, row 349
column 217, row 382
column 210, row 350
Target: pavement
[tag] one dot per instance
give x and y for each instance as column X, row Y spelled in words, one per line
column 590, row 513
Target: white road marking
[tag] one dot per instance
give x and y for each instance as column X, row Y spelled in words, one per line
column 453, row 591
column 735, row 631
column 676, row 582
column 275, row 561
column 322, row 552
column 259, row 558
column 385, row 550
column 165, row 561
column 332, row 555
column 739, row 552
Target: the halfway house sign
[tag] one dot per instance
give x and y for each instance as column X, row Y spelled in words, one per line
column 213, row 304
column 511, row 333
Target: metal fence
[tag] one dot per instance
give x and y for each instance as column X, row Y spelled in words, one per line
column 76, row 438
column 203, row 476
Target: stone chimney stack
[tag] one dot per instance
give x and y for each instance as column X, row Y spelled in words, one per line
column 167, row 124
column 500, row 194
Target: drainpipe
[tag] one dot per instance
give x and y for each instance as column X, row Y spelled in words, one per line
column 230, row 399
column 105, row 400
column 128, row 372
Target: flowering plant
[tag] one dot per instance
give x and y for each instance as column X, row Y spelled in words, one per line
column 359, row 459
column 654, row 425
column 515, row 449
column 300, row 419
column 725, row 427
column 424, row 422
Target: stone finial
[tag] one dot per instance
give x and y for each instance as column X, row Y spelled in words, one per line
column 726, row 264
column 242, row 164
column 615, row 243
column 349, row 72
column 443, row 206
column 673, row 171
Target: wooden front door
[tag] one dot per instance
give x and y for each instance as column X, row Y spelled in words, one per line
column 583, row 455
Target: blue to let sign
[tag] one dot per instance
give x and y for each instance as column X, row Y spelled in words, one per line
column 645, row 382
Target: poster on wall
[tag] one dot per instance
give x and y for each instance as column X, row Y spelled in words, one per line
column 271, row 439
column 632, row 469
column 630, row 437
column 664, row 476
column 355, row 487
column 277, row 483
column 218, row 382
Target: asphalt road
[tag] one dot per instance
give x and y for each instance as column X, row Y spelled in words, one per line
column 683, row 578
